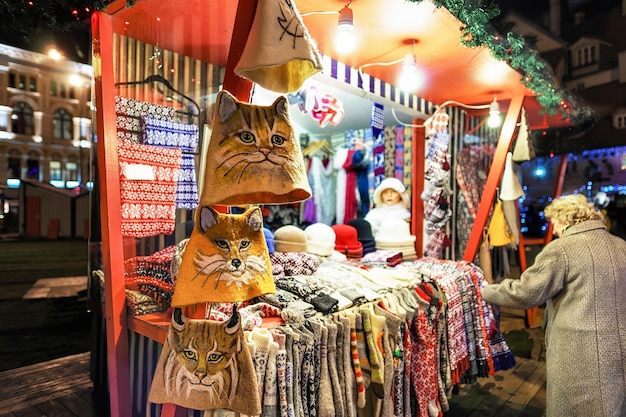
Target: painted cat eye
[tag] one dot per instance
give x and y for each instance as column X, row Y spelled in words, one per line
column 189, row 354
column 214, row 357
column 247, row 137
column 221, row 243
column 244, row 244
column 278, row 140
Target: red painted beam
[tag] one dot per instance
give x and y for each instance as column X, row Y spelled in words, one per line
column 493, row 178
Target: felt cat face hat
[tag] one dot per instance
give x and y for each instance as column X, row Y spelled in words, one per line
column 226, row 260
column 253, row 155
column 279, row 54
column 205, row 365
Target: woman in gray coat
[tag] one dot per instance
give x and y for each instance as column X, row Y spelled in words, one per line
column 582, row 279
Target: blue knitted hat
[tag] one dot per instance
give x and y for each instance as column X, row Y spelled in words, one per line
column 269, row 239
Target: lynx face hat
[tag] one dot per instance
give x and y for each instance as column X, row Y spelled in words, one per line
column 253, row 156
column 226, row 260
column 279, row 54
column 205, row 365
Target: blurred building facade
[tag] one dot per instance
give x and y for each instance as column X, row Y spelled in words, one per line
column 45, row 124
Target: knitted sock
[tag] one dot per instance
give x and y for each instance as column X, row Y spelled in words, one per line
column 373, row 329
column 261, row 338
column 315, row 376
column 349, row 376
column 281, row 373
column 333, row 371
column 289, row 369
column 270, row 391
column 296, row 367
column 360, row 360
column 340, row 364
column 306, row 357
column 326, row 405
column 390, row 344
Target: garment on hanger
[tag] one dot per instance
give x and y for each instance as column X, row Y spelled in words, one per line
column 169, row 134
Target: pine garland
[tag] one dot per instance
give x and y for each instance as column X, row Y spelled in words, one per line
column 481, row 28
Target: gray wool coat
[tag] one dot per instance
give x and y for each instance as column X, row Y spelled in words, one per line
column 582, row 278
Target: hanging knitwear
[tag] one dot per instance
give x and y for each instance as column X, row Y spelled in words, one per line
column 183, row 136
column 377, row 121
column 128, row 117
column 390, row 150
column 351, row 201
column 399, row 154
column 148, row 178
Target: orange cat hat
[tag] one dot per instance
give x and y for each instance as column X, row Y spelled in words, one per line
column 226, row 260
column 253, row 155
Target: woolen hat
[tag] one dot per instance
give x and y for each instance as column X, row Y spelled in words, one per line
column 393, row 184
column 347, row 241
column 320, row 239
column 289, row 238
column 269, row 239
column 364, row 234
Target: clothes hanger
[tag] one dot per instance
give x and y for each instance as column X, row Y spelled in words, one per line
column 157, row 78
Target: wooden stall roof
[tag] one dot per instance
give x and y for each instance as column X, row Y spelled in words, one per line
column 385, row 30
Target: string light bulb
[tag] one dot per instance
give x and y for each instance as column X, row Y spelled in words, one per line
column 345, row 40
column 494, row 119
column 410, row 78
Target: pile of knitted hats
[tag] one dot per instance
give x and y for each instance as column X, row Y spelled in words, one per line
column 395, row 235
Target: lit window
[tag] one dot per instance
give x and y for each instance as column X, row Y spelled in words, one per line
column 32, row 84
column 71, row 169
column 53, row 88
column 56, row 174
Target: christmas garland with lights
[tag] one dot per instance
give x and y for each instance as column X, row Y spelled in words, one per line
column 481, row 28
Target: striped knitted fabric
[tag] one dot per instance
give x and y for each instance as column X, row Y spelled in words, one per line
column 169, row 134
column 399, row 157
column 390, row 151
column 150, row 275
column 148, row 180
column 128, row 117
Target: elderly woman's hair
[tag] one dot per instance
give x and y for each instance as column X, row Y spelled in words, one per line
column 572, row 209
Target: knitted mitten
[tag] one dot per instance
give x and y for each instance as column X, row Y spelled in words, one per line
column 390, row 352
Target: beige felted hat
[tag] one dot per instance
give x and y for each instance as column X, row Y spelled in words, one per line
column 279, row 54
column 290, row 239
column 206, row 365
column 253, row 156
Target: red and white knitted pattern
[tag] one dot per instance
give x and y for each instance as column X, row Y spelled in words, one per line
column 148, row 206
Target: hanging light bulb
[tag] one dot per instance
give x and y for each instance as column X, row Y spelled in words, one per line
column 494, row 114
column 410, row 77
column 345, row 40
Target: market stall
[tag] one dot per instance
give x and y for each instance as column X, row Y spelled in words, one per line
column 170, row 62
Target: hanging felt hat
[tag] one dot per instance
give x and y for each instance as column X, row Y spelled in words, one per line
column 226, row 260
column 279, row 54
column 290, row 238
column 347, row 241
column 253, row 155
column 510, row 187
column 206, row 365
column 320, row 239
